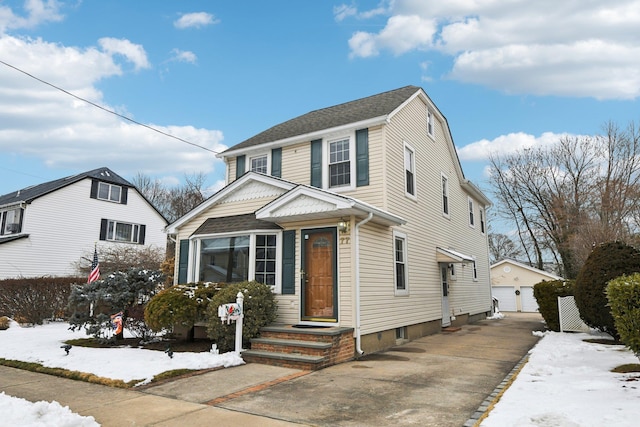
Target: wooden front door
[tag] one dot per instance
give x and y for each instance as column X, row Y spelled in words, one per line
column 319, row 278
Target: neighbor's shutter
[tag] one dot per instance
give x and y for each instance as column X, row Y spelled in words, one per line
column 240, row 166
column 362, row 157
column 276, row 162
column 103, row 229
column 94, row 189
column 183, row 261
column 143, row 231
column 288, row 262
column 124, row 195
column 316, row 163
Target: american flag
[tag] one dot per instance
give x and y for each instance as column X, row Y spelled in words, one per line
column 95, row 267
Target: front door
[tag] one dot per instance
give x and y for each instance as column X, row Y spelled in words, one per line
column 319, row 278
column 446, row 314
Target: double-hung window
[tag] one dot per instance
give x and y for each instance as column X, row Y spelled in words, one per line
column 339, row 163
column 481, row 220
column 109, row 192
column 445, row 195
column 472, row 221
column 260, row 164
column 11, row 221
column 118, row 231
column 430, row 129
column 410, row 170
column 238, row 258
column 400, row 262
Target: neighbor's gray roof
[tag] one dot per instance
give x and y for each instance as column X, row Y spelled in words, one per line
column 28, row 194
column 338, row 115
column 234, row 223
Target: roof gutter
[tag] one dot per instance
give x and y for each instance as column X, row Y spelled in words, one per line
column 357, row 262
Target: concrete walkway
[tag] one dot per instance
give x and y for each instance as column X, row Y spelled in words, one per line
column 439, row 380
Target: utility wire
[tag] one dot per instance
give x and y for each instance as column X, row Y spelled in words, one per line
column 106, row 109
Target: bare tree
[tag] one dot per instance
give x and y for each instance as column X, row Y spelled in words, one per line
column 501, row 247
column 565, row 198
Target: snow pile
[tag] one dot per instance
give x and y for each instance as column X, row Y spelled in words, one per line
column 568, row 382
column 19, row 412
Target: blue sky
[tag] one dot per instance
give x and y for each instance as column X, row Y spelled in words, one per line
column 505, row 74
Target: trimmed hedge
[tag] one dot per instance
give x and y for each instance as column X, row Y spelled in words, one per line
column 623, row 294
column 260, row 309
column 546, row 294
column 606, row 262
column 37, row 299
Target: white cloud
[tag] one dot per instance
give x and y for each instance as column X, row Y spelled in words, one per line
column 183, row 56
column 507, row 144
column 37, row 12
column 39, row 122
column 582, row 48
column 195, row 20
column 343, row 11
column 133, row 52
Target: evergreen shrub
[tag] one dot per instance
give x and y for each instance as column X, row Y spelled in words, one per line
column 606, row 262
column 260, row 309
column 179, row 305
column 546, row 294
column 623, row 295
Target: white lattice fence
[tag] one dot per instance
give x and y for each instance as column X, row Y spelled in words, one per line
column 570, row 316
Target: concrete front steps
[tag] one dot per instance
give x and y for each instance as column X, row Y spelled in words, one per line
column 307, row 348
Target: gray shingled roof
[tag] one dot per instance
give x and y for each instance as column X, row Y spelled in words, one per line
column 338, row 115
column 234, row 223
column 30, row 193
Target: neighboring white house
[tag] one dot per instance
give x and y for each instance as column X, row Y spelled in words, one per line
column 45, row 229
column 512, row 285
column 358, row 215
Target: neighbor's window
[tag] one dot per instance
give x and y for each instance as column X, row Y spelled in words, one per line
column 472, row 221
column 259, row 164
column 11, row 221
column 445, row 195
column 410, row 170
column 124, row 232
column 239, row 258
column 400, row 260
column 339, row 163
column 109, row 192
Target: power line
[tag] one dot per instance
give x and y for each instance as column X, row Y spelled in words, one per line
column 106, row 109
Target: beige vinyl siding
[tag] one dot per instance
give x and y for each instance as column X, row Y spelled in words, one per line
column 231, row 170
column 296, row 163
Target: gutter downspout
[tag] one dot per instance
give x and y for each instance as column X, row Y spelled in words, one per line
column 357, row 265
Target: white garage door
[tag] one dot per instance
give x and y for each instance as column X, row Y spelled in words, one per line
column 527, row 299
column 506, row 296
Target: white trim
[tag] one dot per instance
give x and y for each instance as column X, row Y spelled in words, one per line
column 526, row 267
column 247, row 164
column 403, row 237
column 431, row 126
column 483, row 221
column 444, row 192
column 471, row 216
column 326, row 147
column 408, row 147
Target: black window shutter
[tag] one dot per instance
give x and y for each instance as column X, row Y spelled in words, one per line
column 316, row 163
column 124, row 195
column 288, row 262
column 143, row 231
column 183, row 261
column 276, row 162
column 103, row 229
column 94, row 189
column 362, row 157
column 240, row 166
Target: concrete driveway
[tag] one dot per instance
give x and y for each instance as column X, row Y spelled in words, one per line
column 439, row 380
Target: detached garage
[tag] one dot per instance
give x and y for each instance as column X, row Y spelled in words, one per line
column 512, row 285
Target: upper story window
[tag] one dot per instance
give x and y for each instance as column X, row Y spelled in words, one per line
column 118, row 231
column 430, row 129
column 475, row 271
column 339, row 163
column 445, row 195
column 472, row 221
column 482, row 220
column 410, row 170
column 11, row 221
column 260, row 164
column 400, row 262
column 109, row 192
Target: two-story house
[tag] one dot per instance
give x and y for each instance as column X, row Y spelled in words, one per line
column 46, row 229
column 358, row 215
